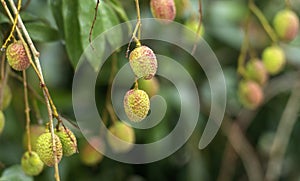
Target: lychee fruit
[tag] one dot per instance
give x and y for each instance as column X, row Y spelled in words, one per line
column 120, row 137
column 31, row 163
column 5, row 92
column 17, row 57
column 136, row 105
column 250, row 94
column 88, row 154
column 273, row 59
column 44, row 148
column 163, row 9
column 68, row 141
column 35, row 132
column 256, row 71
column 151, row 87
column 143, row 62
column 2, row 122
column 286, row 24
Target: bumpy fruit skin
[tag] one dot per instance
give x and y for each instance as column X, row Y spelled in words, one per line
column 143, row 62
column 250, row 94
column 6, row 99
column 256, row 71
column 136, row 105
column 44, row 149
column 286, row 24
column 2, row 122
column 163, row 9
column 17, row 57
column 125, row 135
column 32, row 164
column 35, row 132
column 151, row 87
column 88, row 155
column 68, row 141
column 273, row 59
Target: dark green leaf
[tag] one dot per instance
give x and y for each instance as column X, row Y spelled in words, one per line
column 72, row 30
column 42, row 32
column 56, row 8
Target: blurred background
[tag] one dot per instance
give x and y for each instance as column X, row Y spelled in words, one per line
column 242, row 148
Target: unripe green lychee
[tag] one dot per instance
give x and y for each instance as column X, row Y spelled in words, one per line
column 163, row 9
column 151, row 87
column 17, row 57
column 193, row 24
column 136, row 105
column 143, row 62
column 31, row 163
column 35, row 132
column 286, row 24
column 274, row 59
column 250, row 94
column 2, row 122
column 125, row 135
column 88, row 154
column 44, row 148
column 68, row 141
column 256, row 71
column 6, row 99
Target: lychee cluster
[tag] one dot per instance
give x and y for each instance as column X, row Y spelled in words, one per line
column 143, row 62
column 42, row 148
column 273, row 60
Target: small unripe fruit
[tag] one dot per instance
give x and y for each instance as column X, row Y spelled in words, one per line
column 44, row 149
column 89, row 155
column 256, row 71
column 35, row 132
column 286, row 24
column 193, row 24
column 68, row 141
column 32, row 164
column 250, row 94
column 136, row 105
column 151, row 87
column 274, row 59
column 163, row 9
column 6, row 96
column 17, row 57
column 181, row 7
column 2, row 122
column 143, row 62
column 125, row 137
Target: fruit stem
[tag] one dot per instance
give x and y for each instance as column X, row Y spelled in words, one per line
column 27, row 111
column 198, row 28
column 288, row 4
column 242, row 57
column 261, row 17
column 15, row 22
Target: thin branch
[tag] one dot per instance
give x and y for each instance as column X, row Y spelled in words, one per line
column 256, row 11
column 93, row 23
column 27, row 111
column 244, row 149
column 40, row 76
column 282, row 137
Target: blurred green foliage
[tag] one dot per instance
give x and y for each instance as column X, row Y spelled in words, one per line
column 60, row 29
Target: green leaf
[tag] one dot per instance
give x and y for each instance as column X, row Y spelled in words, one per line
column 3, row 18
column 72, row 30
column 41, row 32
column 56, row 8
column 15, row 173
